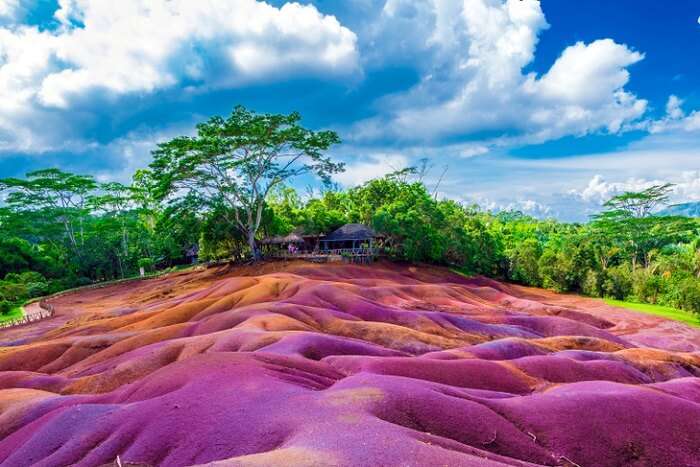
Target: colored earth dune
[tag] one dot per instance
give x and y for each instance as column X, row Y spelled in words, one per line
column 382, row 365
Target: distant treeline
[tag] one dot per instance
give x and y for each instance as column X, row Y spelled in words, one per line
column 225, row 189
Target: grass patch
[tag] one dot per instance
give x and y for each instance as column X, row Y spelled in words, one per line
column 658, row 310
column 15, row 313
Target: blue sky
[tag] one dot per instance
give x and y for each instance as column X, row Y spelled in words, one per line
column 548, row 107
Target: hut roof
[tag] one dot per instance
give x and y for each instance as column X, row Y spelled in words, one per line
column 351, row 232
column 301, row 232
column 279, row 239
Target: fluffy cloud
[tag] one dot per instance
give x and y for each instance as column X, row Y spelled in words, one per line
column 10, row 11
column 686, row 188
column 599, row 190
column 100, row 53
column 527, row 206
column 475, row 80
column 374, row 166
column 675, row 119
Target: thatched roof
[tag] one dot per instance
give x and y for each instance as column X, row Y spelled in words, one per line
column 279, row 239
column 351, row 232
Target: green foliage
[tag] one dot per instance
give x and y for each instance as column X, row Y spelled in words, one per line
column 323, row 215
column 411, row 221
column 524, row 261
column 13, row 292
column 54, row 200
column 556, row 269
column 25, row 277
column 218, row 240
column 647, row 286
column 592, row 284
column 237, row 162
column 18, row 287
column 639, row 204
column 37, row 289
column 5, row 306
column 146, row 264
column 689, row 295
column 618, row 282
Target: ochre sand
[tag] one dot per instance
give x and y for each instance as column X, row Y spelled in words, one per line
column 300, row 364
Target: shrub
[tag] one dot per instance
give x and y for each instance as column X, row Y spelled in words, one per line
column 12, row 277
column 37, row 289
column 557, row 271
column 647, row 286
column 59, row 284
column 25, row 277
column 689, row 295
column 13, row 292
column 146, row 264
column 524, row 262
column 592, row 284
column 5, row 307
column 31, row 276
column 83, row 281
column 618, row 282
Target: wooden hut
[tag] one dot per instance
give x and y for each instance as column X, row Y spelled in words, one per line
column 284, row 245
column 351, row 240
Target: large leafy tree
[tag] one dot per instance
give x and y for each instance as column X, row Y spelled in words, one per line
column 54, row 197
column 325, row 214
column 115, row 202
column 237, row 161
column 412, row 223
column 629, row 222
column 639, row 204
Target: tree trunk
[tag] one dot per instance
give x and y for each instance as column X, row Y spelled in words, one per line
column 253, row 246
column 119, row 262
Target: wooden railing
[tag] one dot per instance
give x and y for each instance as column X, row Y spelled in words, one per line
column 363, row 255
column 351, row 251
column 324, row 252
column 47, row 311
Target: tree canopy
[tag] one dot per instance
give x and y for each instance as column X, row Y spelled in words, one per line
column 237, row 161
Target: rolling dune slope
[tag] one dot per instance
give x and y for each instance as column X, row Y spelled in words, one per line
column 300, row 364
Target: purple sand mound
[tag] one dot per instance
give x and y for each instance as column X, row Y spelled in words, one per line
column 339, row 365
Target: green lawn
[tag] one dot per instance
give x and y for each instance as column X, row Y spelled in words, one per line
column 658, row 310
column 14, row 313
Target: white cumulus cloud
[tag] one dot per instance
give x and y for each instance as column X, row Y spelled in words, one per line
column 370, row 167
column 10, row 11
column 103, row 50
column 476, row 80
column 675, row 120
column 598, row 191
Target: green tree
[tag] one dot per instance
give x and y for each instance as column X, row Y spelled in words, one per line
column 56, row 197
column 323, row 215
column 237, row 161
column 524, row 262
column 115, row 204
column 629, row 223
column 411, row 222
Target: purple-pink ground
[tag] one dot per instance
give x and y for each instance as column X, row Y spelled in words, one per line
column 337, row 365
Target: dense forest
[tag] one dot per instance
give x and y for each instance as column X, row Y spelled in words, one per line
column 231, row 185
